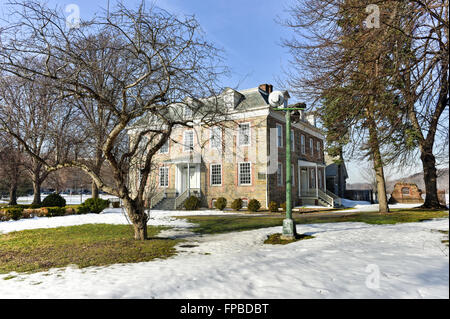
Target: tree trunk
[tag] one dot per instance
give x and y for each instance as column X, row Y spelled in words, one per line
column 94, row 189
column 13, row 195
column 137, row 216
column 374, row 145
column 36, row 193
column 430, row 179
column 381, row 187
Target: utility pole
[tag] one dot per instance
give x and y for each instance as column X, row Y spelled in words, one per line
column 276, row 99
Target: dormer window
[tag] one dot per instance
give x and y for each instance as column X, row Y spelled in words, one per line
column 231, row 98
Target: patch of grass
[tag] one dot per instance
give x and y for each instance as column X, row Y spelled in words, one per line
column 9, row 277
column 229, row 223
column 85, row 245
column 275, row 239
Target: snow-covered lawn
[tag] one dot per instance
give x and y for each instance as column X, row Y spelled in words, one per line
column 344, row 260
column 357, row 206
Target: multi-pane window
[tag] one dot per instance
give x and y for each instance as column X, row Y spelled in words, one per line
column 280, row 174
column 216, row 137
column 311, row 146
column 189, row 141
column 163, row 177
column 216, row 174
column 279, row 135
column 245, row 174
column 302, row 143
column 165, row 148
column 244, row 134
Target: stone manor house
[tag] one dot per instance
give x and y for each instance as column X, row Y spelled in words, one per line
column 244, row 158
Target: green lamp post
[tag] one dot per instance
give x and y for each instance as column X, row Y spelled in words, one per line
column 276, row 100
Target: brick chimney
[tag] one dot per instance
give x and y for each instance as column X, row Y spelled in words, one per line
column 267, row 88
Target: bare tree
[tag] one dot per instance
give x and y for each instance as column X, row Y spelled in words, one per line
column 32, row 112
column 11, row 168
column 153, row 62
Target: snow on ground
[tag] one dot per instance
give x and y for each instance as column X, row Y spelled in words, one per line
column 361, row 206
column 344, row 260
column 70, row 199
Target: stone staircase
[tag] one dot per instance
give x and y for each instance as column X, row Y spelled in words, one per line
column 165, row 204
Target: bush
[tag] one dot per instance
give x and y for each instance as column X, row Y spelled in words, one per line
column 8, row 213
column 273, row 207
column 221, row 203
column 94, row 206
column 253, row 205
column 55, row 211
column 283, row 206
column 54, row 200
column 82, row 210
column 14, row 213
column 237, row 204
column 192, row 203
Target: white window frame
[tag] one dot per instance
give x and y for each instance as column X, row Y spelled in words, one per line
column 249, row 134
column 211, row 174
column 303, row 143
column 280, row 174
column 280, row 136
column 186, row 147
column 220, row 137
column 168, row 147
column 311, row 145
column 239, row 174
column 166, row 173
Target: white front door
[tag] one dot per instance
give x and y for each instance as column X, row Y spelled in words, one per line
column 193, row 181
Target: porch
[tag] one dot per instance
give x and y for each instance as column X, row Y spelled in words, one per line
column 312, row 185
column 187, row 183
